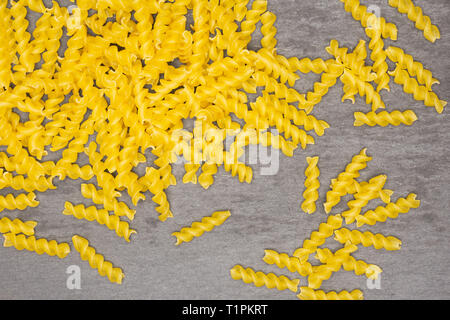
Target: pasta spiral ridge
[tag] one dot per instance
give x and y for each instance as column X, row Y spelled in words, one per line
column 307, row 293
column 198, row 228
column 415, row 14
column 378, row 241
column 260, row 279
column 21, row 202
column 97, row 261
column 420, row 93
column 391, row 210
column 385, row 118
column 379, row 56
column 282, row 260
column 345, row 179
column 317, row 238
column 113, row 222
column 40, row 246
column 306, row 65
column 19, row 182
column 17, row 226
column 312, row 184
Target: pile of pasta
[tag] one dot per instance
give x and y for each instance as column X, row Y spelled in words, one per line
column 333, row 261
column 132, row 72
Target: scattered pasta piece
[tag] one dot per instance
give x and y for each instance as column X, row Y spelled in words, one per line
column 17, row 226
column 312, row 184
column 198, row 228
column 21, row 202
column 385, row 118
column 260, row 279
column 97, row 261
column 367, row 239
column 282, row 260
column 415, row 14
column 40, row 246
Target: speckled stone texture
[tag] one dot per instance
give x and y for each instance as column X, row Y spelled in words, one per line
column 266, row 214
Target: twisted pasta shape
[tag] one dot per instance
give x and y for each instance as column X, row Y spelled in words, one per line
column 420, row 93
column 268, row 31
column 21, row 202
column 312, row 184
column 368, row 19
column 372, row 190
column 307, row 293
column 415, row 68
column 206, row 178
column 391, row 210
column 341, row 185
column 317, row 238
column 385, row 118
column 306, row 65
column 415, row 14
column 379, row 56
column 97, row 261
column 378, row 241
column 324, row 271
column 113, row 222
column 191, row 173
column 349, row 263
column 19, row 182
column 260, row 279
column 40, row 246
column 198, row 228
column 89, row 191
column 17, row 226
column 293, row 264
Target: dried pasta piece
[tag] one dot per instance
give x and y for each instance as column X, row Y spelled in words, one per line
column 260, row 279
column 113, row 222
column 414, row 68
column 97, row 261
column 385, row 118
column 17, row 226
column 346, row 179
column 312, row 184
column 324, row 271
column 40, row 246
column 293, row 264
column 378, row 56
column 415, row 14
column 391, row 210
column 198, row 228
column 307, row 293
column 21, row 202
column 349, row 263
column 366, row 192
column 378, row 241
column 420, row 93
column 317, row 238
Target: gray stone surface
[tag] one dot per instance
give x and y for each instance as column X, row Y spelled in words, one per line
column 266, row 213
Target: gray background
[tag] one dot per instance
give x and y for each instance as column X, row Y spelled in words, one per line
column 266, row 214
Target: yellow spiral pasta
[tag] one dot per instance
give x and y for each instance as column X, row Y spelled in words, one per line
column 293, row 264
column 268, row 31
column 306, row 65
column 19, row 182
column 17, row 226
column 346, row 179
column 385, row 118
column 414, row 68
column 317, row 238
column 307, row 293
column 349, row 263
column 369, row 19
column 206, row 178
column 113, row 222
column 198, row 228
column 420, row 93
column 378, row 241
column 40, row 246
column 21, row 202
column 415, row 14
column 391, row 210
column 312, row 184
column 260, row 279
column 366, row 192
column 378, row 56
column 97, row 261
